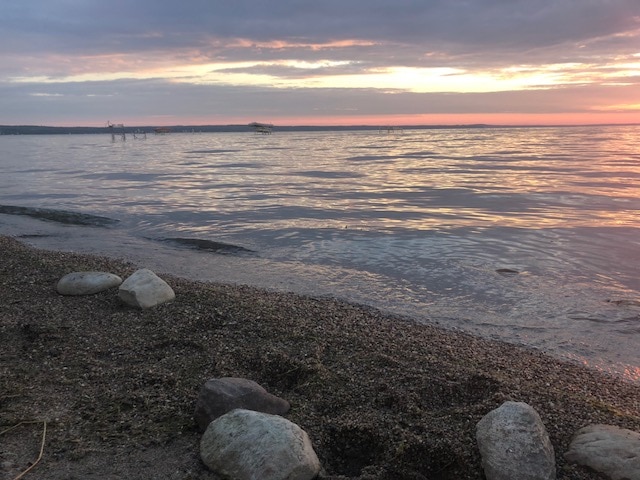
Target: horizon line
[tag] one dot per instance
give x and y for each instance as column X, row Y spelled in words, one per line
column 358, row 125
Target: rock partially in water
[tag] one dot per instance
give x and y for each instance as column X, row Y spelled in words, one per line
column 625, row 302
column 209, row 245
column 507, row 271
column 60, row 216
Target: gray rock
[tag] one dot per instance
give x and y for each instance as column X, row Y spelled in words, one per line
column 221, row 395
column 144, row 289
column 87, row 283
column 248, row 445
column 607, row 449
column 514, row 444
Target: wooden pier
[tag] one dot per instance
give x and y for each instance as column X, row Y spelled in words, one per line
column 117, row 130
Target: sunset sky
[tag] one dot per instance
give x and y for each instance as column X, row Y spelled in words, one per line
column 293, row 62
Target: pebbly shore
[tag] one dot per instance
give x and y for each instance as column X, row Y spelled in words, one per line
column 379, row 396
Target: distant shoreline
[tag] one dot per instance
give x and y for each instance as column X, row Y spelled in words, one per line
column 52, row 130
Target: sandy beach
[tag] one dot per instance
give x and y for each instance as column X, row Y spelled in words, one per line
column 379, row 396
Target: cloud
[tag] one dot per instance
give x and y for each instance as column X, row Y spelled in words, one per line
column 357, row 52
column 457, row 27
column 165, row 103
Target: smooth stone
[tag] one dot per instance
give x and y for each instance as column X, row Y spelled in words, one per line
column 221, row 395
column 514, row 443
column 248, row 445
column 87, row 283
column 607, row 449
column 144, row 289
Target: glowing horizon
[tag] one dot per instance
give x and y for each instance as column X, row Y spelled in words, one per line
column 497, row 120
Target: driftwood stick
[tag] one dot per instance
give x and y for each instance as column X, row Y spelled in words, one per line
column 44, row 436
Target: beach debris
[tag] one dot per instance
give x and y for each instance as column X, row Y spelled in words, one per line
column 244, row 444
column 514, row 443
column 221, row 395
column 607, row 449
column 87, row 283
column 42, row 443
column 144, row 289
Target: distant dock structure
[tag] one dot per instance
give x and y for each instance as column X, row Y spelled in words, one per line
column 117, row 130
column 261, row 128
column 140, row 134
column 391, row 129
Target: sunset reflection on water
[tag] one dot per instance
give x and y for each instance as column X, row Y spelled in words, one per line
column 418, row 223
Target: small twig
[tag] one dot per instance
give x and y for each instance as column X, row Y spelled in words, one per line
column 44, row 436
column 17, row 425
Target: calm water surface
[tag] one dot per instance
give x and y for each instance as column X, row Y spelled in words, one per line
column 528, row 235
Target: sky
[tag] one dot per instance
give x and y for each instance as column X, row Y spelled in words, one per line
column 322, row 62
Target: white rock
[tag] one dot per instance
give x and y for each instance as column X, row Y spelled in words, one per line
column 514, row 444
column 144, row 289
column 87, row 283
column 607, row 449
column 249, row 445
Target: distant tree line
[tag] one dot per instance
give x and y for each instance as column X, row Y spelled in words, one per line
column 45, row 130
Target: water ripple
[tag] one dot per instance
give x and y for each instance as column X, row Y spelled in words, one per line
column 431, row 223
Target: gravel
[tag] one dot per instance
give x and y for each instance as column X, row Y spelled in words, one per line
column 380, row 397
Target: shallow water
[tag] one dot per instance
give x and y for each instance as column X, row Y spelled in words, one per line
column 528, row 235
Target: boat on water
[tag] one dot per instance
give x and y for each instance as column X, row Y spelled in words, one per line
column 263, row 128
column 162, row 130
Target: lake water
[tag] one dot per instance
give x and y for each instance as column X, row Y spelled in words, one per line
column 527, row 235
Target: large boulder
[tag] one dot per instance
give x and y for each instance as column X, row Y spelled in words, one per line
column 247, row 445
column 221, row 395
column 87, row 283
column 607, row 449
column 514, row 443
column 144, row 289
